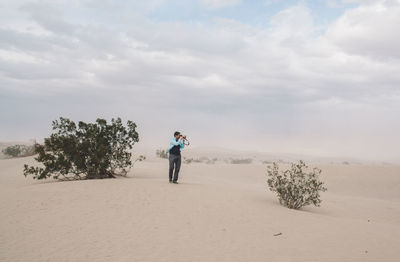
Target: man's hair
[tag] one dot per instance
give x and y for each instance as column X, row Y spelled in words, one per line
column 177, row 133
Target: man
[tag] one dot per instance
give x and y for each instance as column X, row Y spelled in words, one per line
column 174, row 150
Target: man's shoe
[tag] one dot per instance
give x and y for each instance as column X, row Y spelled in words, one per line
column 170, row 181
column 175, row 182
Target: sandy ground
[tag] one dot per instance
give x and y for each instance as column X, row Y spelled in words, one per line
column 220, row 212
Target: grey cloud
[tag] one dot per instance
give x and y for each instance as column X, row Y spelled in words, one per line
column 280, row 81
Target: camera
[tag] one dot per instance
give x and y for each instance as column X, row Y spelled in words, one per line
column 185, row 141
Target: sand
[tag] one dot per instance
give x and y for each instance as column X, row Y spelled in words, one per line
column 220, row 212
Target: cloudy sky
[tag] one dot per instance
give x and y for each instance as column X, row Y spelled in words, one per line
column 308, row 77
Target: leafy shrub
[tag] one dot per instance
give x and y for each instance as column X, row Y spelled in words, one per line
column 13, row 151
column 86, row 150
column 241, row 161
column 19, row 150
column 296, row 187
column 199, row 160
column 162, row 153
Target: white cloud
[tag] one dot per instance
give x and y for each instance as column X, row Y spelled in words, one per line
column 293, row 22
column 215, row 4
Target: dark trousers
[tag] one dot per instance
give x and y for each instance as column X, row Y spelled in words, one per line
column 174, row 160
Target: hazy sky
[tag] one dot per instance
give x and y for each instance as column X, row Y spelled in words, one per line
column 313, row 77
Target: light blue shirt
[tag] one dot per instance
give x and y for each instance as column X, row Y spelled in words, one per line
column 173, row 143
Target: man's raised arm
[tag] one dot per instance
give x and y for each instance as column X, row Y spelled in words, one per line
column 175, row 143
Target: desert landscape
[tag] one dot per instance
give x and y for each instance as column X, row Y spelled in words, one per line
column 218, row 212
column 281, row 119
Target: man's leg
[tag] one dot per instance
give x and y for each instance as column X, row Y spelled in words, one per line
column 177, row 168
column 171, row 166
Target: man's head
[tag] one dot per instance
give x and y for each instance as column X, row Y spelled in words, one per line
column 177, row 134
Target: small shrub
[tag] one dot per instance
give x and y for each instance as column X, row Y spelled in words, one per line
column 212, row 161
column 204, row 159
column 12, row 151
column 187, row 160
column 191, row 160
column 162, row 153
column 86, row 150
column 199, row 160
column 19, row 150
column 28, row 150
column 242, row 161
column 296, row 187
column 267, row 162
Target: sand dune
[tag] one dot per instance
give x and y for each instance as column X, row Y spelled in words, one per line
column 219, row 212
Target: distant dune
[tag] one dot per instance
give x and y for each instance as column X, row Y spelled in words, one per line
column 219, row 212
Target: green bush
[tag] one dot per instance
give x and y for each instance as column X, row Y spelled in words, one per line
column 296, row 187
column 86, row 150
column 19, row 150
column 162, row 153
column 13, row 151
